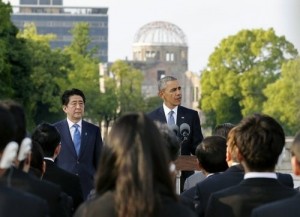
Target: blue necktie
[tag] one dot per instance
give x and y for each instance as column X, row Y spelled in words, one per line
column 76, row 139
column 171, row 120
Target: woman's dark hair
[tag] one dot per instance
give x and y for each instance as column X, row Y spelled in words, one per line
column 134, row 164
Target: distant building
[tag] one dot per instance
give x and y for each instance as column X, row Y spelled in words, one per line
column 160, row 49
column 50, row 16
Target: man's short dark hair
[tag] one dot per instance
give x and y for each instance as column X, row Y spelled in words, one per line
column 223, row 129
column 7, row 128
column 65, row 98
column 260, row 140
column 48, row 137
column 211, row 154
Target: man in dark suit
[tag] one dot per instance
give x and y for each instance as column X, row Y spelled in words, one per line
column 231, row 177
column 81, row 141
column 48, row 138
column 211, row 155
column 187, row 120
column 259, row 140
column 13, row 202
column 288, row 207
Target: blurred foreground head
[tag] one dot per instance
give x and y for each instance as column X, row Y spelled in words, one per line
column 134, row 163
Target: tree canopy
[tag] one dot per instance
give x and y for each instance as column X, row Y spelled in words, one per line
column 283, row 97
column 238, row 71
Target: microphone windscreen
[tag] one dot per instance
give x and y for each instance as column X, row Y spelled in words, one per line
column 9, row 155
column 185, row 128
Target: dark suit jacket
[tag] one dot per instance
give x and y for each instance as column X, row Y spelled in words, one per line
column 68, row 182
column 104, row 206
column 14, row 203
column 184, row 115
column 283, row 208
column 86, row 163
column 48, row 191
column 231, row 177
column 240, row 200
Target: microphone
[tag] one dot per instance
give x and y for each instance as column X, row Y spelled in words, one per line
column 185, row 130
column 174, row 128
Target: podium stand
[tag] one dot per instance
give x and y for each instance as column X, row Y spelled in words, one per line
column 185, row 163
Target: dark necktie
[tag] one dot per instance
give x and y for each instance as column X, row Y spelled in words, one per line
column 76, row 138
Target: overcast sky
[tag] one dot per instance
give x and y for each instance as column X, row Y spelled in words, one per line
column 205, row 22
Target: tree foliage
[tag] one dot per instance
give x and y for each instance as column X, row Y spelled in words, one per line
column 283, row 97
column 85, row 72
column 49, row 68
column 128, row 87
column 238, row 71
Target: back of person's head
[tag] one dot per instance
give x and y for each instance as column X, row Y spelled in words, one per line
column 211, row 154
column 7, row 128
column 260, row 140
column 232, row 151
column 48, row 137
column 134, row 163
column 172, row 142
column 18, row 114
column 223, row 129
column 65, row 98
column 37, row 160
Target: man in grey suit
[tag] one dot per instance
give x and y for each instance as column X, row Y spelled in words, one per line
column 259, row 140
column 81, row 141
column 172, row 113
column 288, row 207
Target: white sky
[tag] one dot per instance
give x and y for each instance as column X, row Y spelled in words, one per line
column 205, row 22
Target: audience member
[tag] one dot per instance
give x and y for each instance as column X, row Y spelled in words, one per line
column 48, row 138
column 211, row 155
column 15, row 203
column 220, row 130
column 259, row 140
column 223, row 129
column 38, row 168
column 131, row 179
column 288, row 207
column 18, row 179
column 81, row 141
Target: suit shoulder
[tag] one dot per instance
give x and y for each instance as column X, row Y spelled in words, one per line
column 185, row 109
column 88, row 124
column 59, row 123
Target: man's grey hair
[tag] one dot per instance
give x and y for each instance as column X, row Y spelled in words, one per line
column 162, row 83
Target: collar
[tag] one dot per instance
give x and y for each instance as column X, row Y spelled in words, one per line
column 48, row 158
column 70, row 123
column 250, row 175
column 167, row 110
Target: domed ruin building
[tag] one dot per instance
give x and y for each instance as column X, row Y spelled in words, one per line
column 160, row 48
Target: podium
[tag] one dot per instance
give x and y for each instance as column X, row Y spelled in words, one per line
column 184, row 163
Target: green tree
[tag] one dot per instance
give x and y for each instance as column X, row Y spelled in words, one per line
column 238, row 71
column 283, row 97
column 85, row 72
column 152, row 103
column 49, row 70
column 129, row 87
